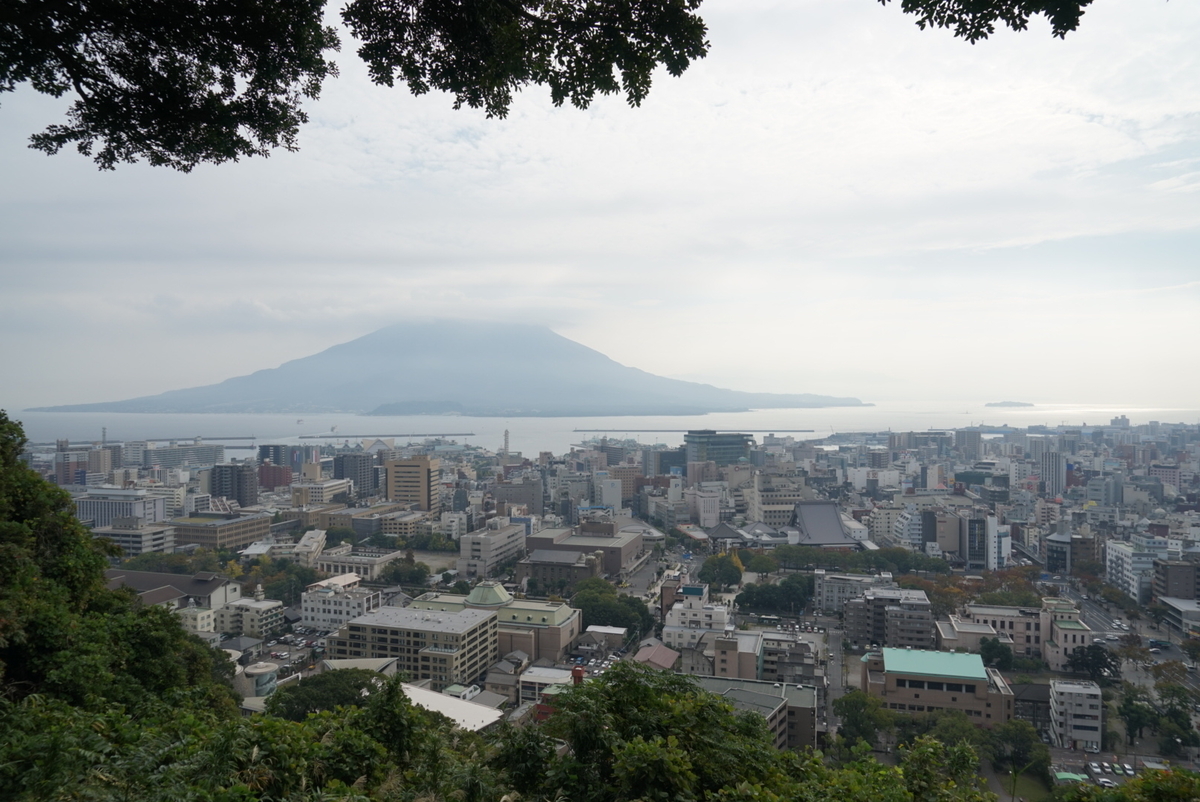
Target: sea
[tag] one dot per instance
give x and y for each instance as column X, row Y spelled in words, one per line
column 533, row 435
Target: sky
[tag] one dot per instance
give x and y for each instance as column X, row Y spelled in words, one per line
column 833, row 201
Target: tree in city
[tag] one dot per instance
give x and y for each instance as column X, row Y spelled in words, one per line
column 1169, row 672
column 1017, row 748
column 601, row 605
column 402, row 572
column 762, row 564
column 348, row 687
column 788, row 596
column 1131, row 649
column 947, row 726
column 1135, row 711
column 721, row 571
column 1093, row 660
column 862, row 717
column 995, row 653
column 188, row 82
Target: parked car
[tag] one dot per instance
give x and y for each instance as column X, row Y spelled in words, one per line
column 1094, row 768
column 1104, row 782
column 1106, row 766
column 1128, row 770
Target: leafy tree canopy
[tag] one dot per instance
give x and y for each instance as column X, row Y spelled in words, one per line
column 1093, row 660
column 186, row 82
column 63, row 633
column 325, row 691
column 602, row 606
column 721, row 571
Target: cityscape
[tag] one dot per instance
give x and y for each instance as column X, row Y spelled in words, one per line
column 1040, row 586
column 599, row 401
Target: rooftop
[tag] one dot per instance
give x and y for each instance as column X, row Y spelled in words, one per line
column 425, row 620
column 466, row 715
column 921, row 662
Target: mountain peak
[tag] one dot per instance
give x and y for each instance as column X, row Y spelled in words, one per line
column 463, row 367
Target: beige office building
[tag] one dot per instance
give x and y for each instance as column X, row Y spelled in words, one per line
column 542, row 630
column 444, row 648
column 221, row 530
column 416, row 482
column 917, row 681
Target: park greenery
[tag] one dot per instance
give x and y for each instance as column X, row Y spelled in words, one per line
column 601, row 605
column 190, row 82
column 789, row 596
column 280, row 579
column 895, row 560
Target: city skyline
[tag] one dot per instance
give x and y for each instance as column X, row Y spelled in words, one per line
column 832, row 202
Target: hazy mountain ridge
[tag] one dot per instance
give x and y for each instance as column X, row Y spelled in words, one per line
column 463, row 368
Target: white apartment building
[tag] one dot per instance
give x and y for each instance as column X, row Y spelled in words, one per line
column 328, row 604
column 256, row 618
column 906, row 530
column 101, row 505
column 1076, row 720
column 832, row 591
column 481, row 552
column 704, row 506
column 695, row 615
column 1130, row 566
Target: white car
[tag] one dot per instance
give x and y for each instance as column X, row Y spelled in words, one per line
column 1104, row 782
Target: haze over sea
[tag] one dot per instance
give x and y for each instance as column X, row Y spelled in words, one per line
column 531, row 435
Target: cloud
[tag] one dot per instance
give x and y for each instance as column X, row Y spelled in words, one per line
column 833, row 201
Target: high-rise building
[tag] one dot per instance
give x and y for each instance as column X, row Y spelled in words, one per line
column 417, row 482
column 271, row 476
column 358, row 468
column 70, row 467
column 1054, row 472
column 237, row 481
column 278, row 454
column 724, row 448
column 969, row 443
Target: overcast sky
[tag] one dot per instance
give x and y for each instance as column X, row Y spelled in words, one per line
column 833, row 201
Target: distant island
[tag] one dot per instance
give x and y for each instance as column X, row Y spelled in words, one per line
column 455, row 367
column 1009, row 404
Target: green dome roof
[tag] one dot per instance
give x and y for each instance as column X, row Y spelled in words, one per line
column 489, row 594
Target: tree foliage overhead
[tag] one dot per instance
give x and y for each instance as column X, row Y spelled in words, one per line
column 977, row 19
column 184, row 82
column 176, row 82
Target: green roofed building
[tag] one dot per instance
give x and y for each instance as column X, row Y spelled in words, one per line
column 919, row 681
column 540, row 629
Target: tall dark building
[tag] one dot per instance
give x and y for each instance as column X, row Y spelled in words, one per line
column 273, row 453
column 724, row 448
column 359, row 468
column 238, row 481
